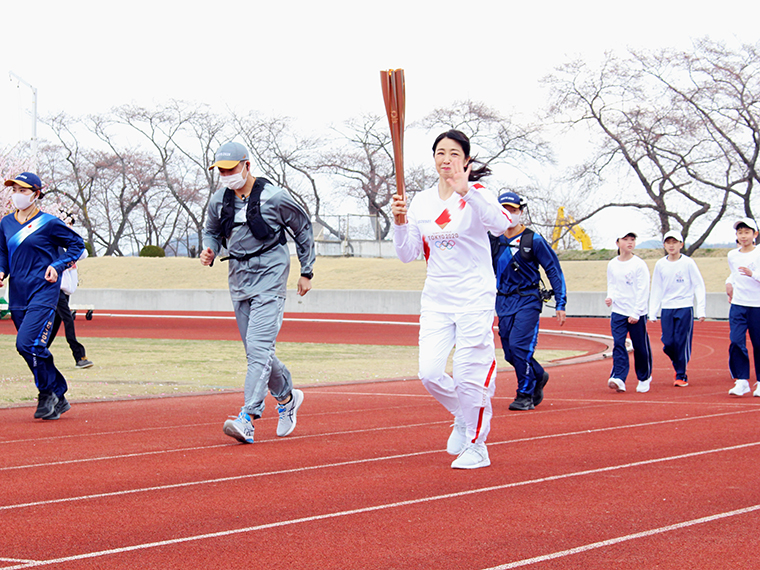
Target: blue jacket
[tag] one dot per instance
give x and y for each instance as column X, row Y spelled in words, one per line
column 517, row 279
column 26, row 251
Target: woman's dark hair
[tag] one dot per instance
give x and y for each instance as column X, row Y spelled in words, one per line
column 458, row 136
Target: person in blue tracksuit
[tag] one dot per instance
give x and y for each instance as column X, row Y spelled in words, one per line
column 29, row 255
column 743, row 290
column 518, row 300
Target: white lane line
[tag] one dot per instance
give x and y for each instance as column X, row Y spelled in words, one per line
column 232, row 318
column 196, row 425
column 618, row 540
column 411, row 502
column 345, row 463
column 368, row 430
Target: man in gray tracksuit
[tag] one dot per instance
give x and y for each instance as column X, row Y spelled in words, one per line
column 259, row 266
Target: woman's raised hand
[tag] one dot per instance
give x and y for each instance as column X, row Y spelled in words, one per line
column 459, row 181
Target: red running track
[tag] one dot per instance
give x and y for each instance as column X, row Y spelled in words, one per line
column 591, row 479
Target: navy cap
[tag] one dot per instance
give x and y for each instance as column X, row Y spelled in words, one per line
column 509, row 198
column 26, row 180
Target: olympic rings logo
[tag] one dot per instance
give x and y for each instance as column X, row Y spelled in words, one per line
column 445, row 244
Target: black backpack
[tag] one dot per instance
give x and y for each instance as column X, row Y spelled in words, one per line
column 253, row 218
column 525, row 247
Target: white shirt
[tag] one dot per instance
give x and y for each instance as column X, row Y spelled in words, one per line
column 453, row 234
column 674, row 285
column 628, row 286
column 746, row 288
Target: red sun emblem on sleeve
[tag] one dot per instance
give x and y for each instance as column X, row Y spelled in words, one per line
column 444, row 219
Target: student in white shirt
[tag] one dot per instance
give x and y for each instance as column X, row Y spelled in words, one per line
column 449, row 223
column 627, row 295
column 675, row 282
column 743, row 290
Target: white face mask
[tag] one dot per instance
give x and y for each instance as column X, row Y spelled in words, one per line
column 23, row 201
column 234, row 181
column 516, row 217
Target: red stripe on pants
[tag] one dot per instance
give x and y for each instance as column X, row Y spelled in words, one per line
column 485, row 391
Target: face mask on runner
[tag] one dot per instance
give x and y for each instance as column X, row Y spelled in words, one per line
column 516, row 217
column 234, row 181
column 23, row 201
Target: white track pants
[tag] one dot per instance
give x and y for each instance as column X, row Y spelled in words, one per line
column 468, row 394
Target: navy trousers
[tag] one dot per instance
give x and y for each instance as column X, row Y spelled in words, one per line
column 519, row 336
column 33, row 327
column 742, row 320
column 677, row 333
column 642, row 351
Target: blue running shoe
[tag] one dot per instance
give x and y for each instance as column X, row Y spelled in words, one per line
column 240, row 427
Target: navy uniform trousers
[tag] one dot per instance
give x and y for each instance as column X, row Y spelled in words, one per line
column 677, row 333
column 642, row 352
column 34, row 326
column 742, row 320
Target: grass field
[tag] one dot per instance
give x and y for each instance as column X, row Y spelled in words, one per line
column 171, row 367
column 339, row 273
column 128, row 368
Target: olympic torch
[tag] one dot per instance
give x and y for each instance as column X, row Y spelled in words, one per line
column 394, row 95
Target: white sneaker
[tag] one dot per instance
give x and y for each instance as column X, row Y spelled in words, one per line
column 756, row 393
column 457, row 439
column 474, row 456
column 287, row 421
column 240, row 428
column 740, row 388
column 643, row 386
column 616, row 384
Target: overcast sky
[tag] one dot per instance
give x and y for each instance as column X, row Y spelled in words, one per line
column 319, row 62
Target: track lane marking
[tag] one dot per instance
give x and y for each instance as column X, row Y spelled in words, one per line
column 367, row 430
column 411, row 502
column 352, row 462
column 618, row 540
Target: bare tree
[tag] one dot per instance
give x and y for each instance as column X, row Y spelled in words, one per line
column 641, row 137
column 363, row 167
column 70, row 170
column 290, row 160
column 719, row 88
column 183, row 137
column 502, row 139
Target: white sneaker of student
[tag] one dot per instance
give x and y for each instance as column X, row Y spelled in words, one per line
column 756, row 393
column 740, row 388
column 287, row 422
column 616, row 384
column 643, row 386
column 458, row 438
column 474, row 456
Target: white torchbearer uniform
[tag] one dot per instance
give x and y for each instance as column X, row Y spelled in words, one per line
column 458, row 298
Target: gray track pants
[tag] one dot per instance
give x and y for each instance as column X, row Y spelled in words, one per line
column 259, row 320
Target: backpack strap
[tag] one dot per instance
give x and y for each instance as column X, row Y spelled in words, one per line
column 526, row 245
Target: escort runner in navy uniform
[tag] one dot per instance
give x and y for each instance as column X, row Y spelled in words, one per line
column 29, row 255
column 518, row 301
column 250, row 216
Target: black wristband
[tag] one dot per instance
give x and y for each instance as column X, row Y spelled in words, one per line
column 309, row 275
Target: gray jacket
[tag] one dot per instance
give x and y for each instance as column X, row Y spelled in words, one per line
column 267, row 273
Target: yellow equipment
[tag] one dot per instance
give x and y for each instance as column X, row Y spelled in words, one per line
column 566, row 222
